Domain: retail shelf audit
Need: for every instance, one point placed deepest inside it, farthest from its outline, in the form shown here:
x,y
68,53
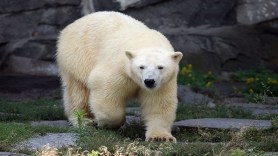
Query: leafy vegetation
x,y
190,77
195,112
258,81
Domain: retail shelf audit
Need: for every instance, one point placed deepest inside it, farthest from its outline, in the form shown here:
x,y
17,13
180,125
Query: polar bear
x,y
108,58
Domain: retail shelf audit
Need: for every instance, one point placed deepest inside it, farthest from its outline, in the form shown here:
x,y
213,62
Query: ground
x,y
31,108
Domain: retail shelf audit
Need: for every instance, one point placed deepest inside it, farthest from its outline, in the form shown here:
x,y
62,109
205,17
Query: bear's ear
x,y
129,55
177,56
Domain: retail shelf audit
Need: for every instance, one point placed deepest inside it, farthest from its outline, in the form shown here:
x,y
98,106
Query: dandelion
x,y
251,91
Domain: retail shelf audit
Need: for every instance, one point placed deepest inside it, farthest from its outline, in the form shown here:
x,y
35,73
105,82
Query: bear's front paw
x,y
166,138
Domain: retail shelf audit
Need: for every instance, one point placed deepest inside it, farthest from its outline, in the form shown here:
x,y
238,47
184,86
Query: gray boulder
x,y
256,11
187,96
29,66
30,28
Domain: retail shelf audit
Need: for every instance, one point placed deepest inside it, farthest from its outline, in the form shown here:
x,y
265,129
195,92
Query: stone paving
x,y
57,140
11,154
224,123
57,123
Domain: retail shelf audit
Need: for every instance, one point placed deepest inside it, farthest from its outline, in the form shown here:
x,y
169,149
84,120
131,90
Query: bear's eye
x,y
160,67
142,67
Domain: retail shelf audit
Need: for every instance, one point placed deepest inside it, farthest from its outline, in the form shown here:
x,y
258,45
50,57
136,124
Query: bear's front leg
x,y
159,113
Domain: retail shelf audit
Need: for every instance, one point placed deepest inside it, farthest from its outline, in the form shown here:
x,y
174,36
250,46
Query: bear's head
x,y
150,68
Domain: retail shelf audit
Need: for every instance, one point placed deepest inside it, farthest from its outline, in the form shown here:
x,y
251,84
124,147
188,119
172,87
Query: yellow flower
x,y
251,91
209,84
250,80
183,71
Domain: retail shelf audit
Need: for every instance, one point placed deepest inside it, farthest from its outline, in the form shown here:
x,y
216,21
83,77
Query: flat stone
x,y
55,140
11,154
57,123
224,123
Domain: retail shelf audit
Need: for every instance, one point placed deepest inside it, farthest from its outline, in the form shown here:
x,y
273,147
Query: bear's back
x,y
102,38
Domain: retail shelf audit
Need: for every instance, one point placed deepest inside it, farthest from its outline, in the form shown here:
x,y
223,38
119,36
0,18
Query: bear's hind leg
x,y
75,98
109,111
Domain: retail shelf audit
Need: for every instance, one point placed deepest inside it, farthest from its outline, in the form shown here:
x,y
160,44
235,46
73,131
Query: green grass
x,y
195,112
44,109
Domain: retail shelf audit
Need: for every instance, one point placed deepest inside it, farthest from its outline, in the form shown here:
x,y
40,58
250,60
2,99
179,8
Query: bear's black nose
x,y
149,83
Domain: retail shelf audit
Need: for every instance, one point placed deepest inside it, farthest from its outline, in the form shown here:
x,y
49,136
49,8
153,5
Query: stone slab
x,y
224,123
55,140
57,123
11,154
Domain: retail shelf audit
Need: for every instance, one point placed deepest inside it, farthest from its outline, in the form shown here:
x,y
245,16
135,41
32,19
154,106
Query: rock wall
x,y
216,35
29,28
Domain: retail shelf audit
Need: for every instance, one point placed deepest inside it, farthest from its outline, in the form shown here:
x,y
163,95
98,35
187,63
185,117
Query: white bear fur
x,y
98,57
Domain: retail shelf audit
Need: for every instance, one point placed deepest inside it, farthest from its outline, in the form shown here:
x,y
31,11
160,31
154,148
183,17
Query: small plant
x,y
259,97
188,76
80,122
81,126
259,81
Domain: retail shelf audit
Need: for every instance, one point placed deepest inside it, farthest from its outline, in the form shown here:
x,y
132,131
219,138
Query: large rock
x,y
208,32
256,11
187,96
29,66
226,48
186,13
31,27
